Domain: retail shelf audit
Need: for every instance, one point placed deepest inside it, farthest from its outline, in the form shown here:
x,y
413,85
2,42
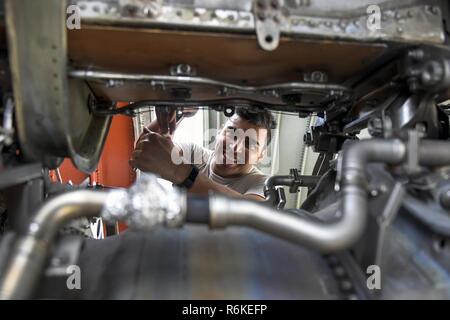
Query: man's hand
x,y
153,154
167,120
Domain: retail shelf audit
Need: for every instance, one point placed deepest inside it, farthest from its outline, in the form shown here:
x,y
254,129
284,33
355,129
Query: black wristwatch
x,y
189,181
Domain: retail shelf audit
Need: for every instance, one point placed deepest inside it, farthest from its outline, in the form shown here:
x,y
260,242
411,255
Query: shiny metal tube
x,y
325,237
30,251
434,153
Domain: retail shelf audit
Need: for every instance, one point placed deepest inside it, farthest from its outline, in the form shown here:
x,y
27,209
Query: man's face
x,y
239,146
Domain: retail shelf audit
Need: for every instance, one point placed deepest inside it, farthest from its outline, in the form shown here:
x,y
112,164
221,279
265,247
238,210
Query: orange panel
x,y
113,169
68,173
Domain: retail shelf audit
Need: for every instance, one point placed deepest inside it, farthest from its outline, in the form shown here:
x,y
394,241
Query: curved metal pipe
x,y
286,180
325,237
274,181
271,183
192,80
30,252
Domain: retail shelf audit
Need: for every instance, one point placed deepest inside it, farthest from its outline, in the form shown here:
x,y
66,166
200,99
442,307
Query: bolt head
x,y
346,285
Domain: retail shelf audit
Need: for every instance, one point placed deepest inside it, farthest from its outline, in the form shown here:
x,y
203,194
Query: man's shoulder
x,y
257,175
191,146
195,154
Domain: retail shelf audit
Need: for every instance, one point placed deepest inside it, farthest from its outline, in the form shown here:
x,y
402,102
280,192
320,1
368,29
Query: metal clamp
x,y
146,205
268,18
412,153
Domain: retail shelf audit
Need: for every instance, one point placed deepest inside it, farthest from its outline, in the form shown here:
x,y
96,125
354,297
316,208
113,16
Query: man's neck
x,y
216,172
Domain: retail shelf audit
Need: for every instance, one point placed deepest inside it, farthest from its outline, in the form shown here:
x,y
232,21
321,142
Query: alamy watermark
x,y
373,282
373,22
73,281
73,21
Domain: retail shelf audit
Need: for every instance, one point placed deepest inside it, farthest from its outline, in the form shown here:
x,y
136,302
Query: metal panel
x,y
195,263
403,21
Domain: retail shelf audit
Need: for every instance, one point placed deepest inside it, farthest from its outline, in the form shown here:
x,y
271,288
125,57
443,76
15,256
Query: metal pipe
x,y
286,180
325,237
269,187
274,181
434,153
30,252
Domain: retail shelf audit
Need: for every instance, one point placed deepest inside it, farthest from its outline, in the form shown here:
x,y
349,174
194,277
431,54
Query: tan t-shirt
x,y
251,183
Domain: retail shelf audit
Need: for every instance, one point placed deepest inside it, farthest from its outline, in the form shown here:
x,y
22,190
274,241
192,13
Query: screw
x,y
285,12
421,128
342,24
433,10
432,73
339,271
346,285
274,4
150,11
261,15
130,10
261,4
375,127
311,24
416,54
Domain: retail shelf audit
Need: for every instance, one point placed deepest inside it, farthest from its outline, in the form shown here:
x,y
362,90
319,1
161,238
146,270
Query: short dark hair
x,y
260,118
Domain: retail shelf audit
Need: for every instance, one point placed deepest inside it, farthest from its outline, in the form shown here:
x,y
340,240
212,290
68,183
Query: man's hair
x,y
260,118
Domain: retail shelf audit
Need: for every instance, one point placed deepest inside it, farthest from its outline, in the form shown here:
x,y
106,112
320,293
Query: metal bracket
x,y
412,155
268,18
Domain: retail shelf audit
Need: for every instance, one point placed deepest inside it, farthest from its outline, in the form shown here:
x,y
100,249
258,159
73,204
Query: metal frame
x,y
320,94
53,119
401,21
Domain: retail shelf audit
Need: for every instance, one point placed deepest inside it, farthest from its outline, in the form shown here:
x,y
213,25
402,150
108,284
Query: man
x,y
230,168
